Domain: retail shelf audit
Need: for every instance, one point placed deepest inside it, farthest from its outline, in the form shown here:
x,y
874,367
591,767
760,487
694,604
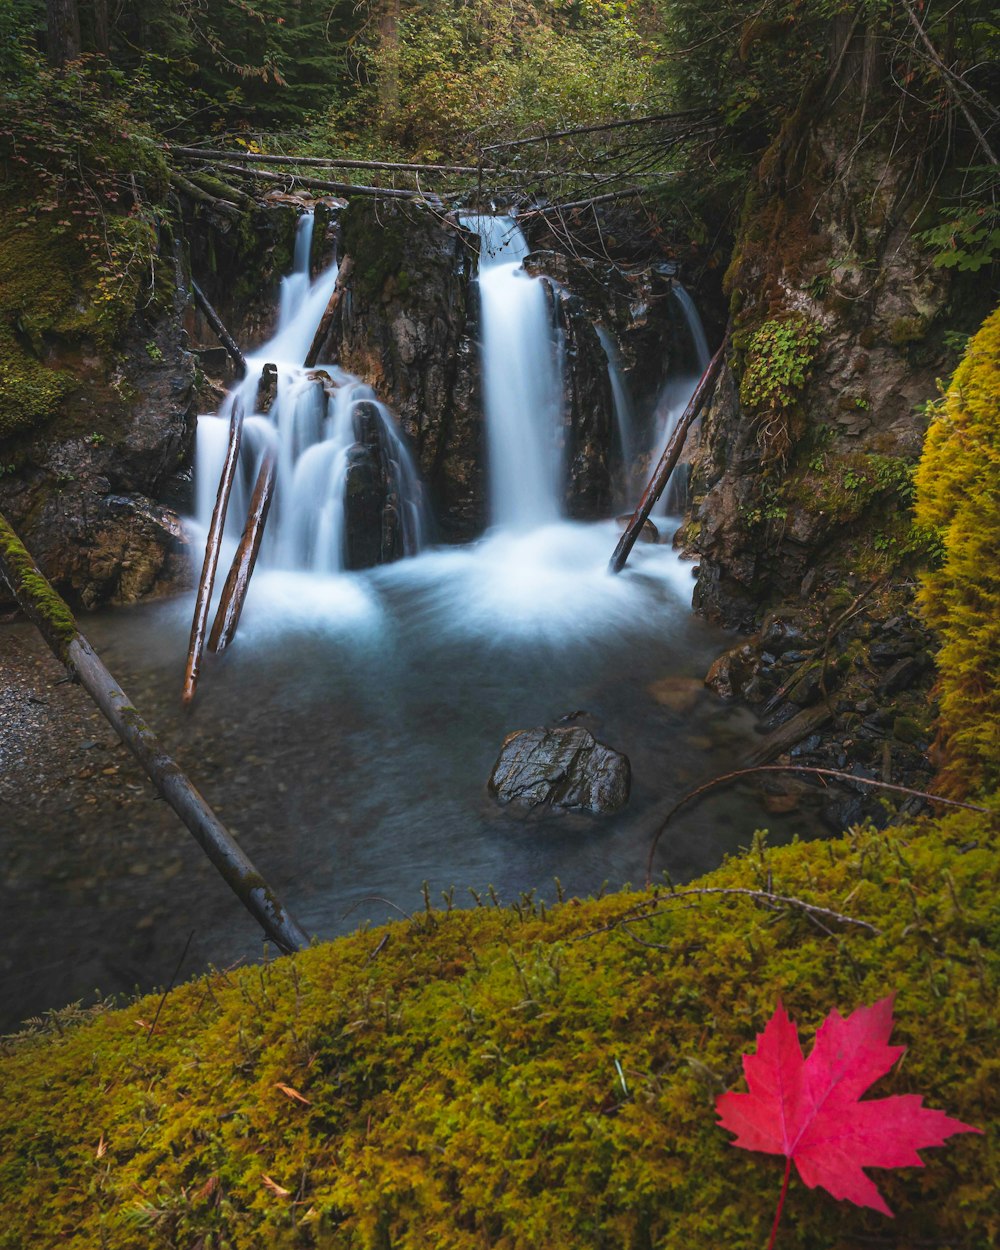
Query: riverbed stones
x,y
562,767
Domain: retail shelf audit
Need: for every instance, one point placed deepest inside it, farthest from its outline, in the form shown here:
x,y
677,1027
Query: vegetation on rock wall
x,y
958,486
78,238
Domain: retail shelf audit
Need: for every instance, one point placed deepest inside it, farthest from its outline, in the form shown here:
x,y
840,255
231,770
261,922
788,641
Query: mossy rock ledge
x,y
522,1077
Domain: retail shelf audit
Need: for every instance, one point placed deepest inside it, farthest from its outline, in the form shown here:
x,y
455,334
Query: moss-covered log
x,y
59,629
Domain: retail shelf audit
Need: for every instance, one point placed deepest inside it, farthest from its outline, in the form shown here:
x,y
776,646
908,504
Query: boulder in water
x,y
563,767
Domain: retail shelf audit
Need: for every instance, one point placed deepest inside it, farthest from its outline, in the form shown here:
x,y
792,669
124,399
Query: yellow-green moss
x,y
34,593
958,496
52,292
30,393
507,1078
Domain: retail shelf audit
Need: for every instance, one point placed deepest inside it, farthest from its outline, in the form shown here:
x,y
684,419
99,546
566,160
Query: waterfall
x,y
521,381
695,329
625,422
322,423
674,397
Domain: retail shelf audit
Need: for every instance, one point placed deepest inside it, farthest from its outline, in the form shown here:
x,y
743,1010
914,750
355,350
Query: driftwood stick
x,y
668,461
42,605
234,592
211,561
800,768
322,184
215,321
343,274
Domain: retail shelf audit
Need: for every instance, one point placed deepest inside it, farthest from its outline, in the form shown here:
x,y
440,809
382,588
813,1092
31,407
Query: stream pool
x,y
347,737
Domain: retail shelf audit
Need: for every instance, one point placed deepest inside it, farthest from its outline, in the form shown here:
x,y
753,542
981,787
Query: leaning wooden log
x,y
43,606
322,184
234,592
206,583
215,321
326,321
668,462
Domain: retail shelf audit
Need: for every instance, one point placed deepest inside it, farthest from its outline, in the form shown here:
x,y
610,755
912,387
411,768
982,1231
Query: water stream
x,y
348,734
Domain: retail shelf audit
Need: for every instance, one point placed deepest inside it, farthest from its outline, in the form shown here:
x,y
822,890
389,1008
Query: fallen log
x,y
668,461
234,592
782,739
48,611
215,186
331,311
328,162
215,321
203,599
194,192
322,184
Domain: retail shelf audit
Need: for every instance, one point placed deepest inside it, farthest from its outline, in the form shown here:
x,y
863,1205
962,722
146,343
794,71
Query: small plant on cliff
x,y
778,363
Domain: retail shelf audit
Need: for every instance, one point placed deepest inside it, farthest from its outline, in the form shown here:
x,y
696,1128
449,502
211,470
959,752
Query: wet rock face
x,y
560,767
587,418
800,490
408,326
373,533
82,498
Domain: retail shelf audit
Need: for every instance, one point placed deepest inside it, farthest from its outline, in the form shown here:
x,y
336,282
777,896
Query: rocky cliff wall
x,y
837,340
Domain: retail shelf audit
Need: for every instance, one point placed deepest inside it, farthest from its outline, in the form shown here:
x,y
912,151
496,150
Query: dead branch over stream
x,y
47,610
668,462
810,770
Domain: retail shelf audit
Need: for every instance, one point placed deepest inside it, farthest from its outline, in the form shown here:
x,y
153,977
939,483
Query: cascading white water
x,y
312,426
521,381
675,395
624,410
692,320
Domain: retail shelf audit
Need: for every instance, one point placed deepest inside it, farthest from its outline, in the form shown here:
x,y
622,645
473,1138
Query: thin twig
x,y
799,768
170,984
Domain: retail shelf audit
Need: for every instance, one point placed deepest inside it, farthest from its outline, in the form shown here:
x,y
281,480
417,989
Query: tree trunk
x,y
102,29
388,78
62,23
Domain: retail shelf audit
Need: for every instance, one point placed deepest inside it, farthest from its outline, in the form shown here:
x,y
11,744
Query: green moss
x,y
30,393
34,593
54,293
462,1073
958,500
906,330
376,240
907,729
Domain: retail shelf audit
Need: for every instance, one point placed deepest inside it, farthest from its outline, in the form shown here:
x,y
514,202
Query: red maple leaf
x,y
809,1110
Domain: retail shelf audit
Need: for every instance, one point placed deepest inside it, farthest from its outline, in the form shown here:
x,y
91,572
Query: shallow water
x,y
347,737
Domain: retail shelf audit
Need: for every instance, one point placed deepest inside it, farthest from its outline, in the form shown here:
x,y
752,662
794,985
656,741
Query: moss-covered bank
x,y
959,497
521,1079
